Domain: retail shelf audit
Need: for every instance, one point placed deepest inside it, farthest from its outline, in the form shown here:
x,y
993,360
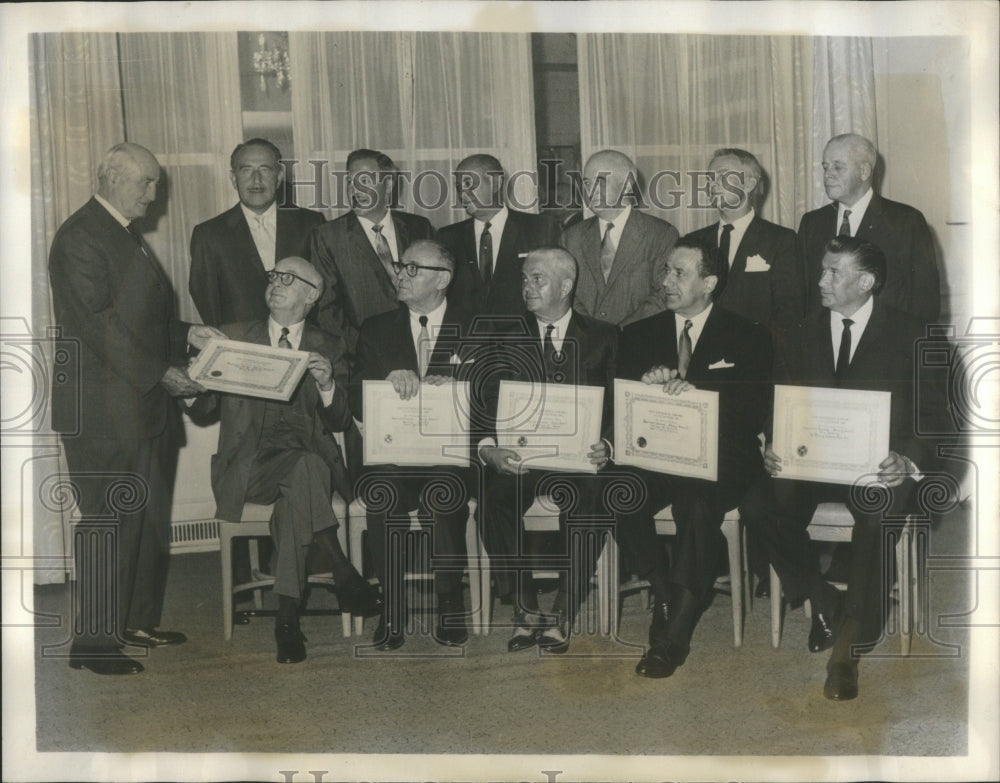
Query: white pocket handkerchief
x,y
757,264
722,364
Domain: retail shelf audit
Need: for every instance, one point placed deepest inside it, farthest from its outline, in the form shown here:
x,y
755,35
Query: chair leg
x,y
226,556
345,617
736,579
485,593
903,562
475,578
776,606
357,561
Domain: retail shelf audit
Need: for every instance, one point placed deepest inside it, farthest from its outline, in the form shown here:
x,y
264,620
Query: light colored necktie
x,y
424,347
845,225
684,350
283,339
486,255
382,249
608,250
266,247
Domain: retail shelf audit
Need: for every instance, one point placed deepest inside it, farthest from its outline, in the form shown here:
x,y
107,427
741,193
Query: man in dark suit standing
x,y
282,452
355,252
622,252
110,295
417,343
911,279
489,246
855,342
695,344
232,253
555,345
761,279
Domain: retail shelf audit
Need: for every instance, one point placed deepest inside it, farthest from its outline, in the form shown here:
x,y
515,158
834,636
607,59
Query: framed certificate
x,y
250,369
668,433
431,428
836,436
550,425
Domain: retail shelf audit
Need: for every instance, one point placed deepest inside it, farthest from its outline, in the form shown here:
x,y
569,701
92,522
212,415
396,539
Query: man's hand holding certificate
x,y
253,370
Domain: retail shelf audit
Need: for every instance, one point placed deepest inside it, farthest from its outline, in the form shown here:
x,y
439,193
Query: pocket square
x,y
722,364
757,264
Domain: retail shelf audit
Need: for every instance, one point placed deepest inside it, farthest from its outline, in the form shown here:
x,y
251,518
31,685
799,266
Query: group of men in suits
x,y
373,296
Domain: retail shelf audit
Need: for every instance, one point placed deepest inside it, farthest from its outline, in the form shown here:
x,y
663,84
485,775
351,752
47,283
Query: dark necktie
x,y
283,339
549,353
844,354
845,225
727,230
608,250
486,255
382,249
684,350
137,237
423,347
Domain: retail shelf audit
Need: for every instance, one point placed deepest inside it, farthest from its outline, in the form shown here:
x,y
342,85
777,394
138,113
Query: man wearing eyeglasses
x,y
356,251
282,452
420,342
232,253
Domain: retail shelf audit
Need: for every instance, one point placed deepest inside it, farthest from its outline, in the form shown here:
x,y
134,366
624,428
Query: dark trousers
x,y
779,512
439,495
698,508
122,541
297,482
515,551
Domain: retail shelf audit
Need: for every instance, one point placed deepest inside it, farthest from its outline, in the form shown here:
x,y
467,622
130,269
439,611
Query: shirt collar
x,y
497,222
859,320
294,332
697,324
619,223
124,221
269,215
434,318
561,326
858,209
741,223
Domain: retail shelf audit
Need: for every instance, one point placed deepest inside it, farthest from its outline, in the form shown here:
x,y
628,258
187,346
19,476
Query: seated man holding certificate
x,y
856,343
562,357
695,345
413,346
282,452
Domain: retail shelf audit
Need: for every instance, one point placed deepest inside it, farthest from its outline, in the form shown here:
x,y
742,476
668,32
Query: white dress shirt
x,y
739,229
388,231
497,223
295,340
619,225
264,230
434,320
697,324
859,322
559,332
858,210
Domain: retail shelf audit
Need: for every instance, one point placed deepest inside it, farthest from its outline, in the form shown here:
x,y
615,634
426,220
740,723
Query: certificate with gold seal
x,y
430,428
550,425
250,369
836,436
667,433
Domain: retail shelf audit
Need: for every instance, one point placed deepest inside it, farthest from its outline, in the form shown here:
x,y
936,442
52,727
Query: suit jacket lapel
x,y
592,253
875,326
871,221
626,248
749,240
402,235
508,241
245,248
361,247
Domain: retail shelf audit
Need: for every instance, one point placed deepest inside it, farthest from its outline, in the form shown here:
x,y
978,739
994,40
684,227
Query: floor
x,y
212,695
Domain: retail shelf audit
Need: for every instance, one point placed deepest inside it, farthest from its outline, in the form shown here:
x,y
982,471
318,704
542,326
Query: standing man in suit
x,y
282,452
417,343
110,295
911,278
761,279
855,342
355,252
232,253
556,344
622,253
695,344
489,246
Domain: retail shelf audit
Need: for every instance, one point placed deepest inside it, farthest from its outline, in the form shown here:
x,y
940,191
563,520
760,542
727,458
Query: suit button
x,y
604,312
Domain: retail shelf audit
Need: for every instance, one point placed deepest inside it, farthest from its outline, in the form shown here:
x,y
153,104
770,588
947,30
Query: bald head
x,y
609,179
294,286
547,280
848,167
127,179
480,181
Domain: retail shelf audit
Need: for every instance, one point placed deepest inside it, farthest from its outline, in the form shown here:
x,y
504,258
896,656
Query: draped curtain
x,y
425,99
668,101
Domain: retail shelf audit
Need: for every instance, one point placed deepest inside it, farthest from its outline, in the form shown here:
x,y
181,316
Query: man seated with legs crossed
x,y
856,342
694,344
418,343
555,345
283,453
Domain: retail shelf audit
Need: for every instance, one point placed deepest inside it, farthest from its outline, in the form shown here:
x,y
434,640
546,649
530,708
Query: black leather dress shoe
x,y
841,681
360,597
554,639
291,643
152,637
657,663
525,635
385,639
451,630
763,589
109,662
821,632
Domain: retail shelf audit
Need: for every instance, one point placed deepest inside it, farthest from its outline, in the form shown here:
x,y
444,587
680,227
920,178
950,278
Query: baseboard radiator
x,y
196,535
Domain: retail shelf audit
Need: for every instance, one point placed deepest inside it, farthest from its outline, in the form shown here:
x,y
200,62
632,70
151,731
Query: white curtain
x,y
425,99
76,115
181,99
668,101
